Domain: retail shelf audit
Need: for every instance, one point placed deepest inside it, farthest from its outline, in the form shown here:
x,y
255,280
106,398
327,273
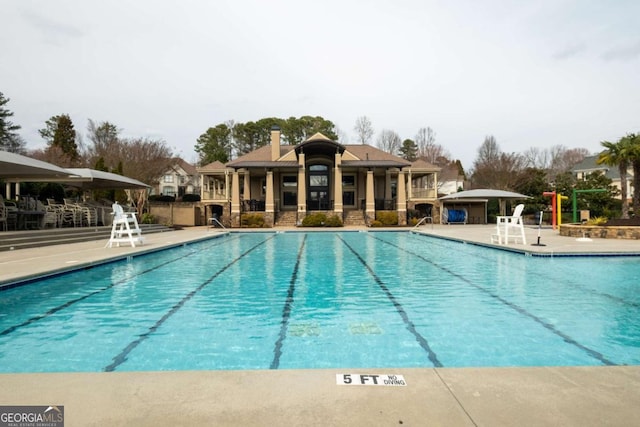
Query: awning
x,y
485,193
94,179
18,168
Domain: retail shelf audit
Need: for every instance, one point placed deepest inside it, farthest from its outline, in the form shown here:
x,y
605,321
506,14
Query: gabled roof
x,y
589,165
216,166
422,165
319,144
187,167
260,157
359,155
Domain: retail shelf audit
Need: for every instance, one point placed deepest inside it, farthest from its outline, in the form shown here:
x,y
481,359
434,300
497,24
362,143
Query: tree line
x,y
531,172
230,139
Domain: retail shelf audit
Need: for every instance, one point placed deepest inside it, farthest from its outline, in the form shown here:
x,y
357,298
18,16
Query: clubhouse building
x,y
285,183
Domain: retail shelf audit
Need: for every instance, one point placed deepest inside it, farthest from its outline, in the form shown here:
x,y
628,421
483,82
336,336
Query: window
x,y
348,180
168,178
318,180
318,196
349,190
168,191
289,190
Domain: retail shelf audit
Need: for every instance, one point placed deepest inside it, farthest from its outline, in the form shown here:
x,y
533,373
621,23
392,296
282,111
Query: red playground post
x,y
552,194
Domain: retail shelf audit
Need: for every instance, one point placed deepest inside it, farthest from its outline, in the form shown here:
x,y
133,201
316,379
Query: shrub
x,y
161,198
317,219
252,221
599,220
333,221
413,221
376,223
147,218
191,198
387,217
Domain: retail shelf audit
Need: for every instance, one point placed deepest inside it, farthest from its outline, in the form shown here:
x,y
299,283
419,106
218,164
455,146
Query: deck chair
x,y
125,228
3,215
510,228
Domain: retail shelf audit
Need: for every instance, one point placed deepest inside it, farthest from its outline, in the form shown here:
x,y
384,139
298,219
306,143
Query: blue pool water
x,y
325,300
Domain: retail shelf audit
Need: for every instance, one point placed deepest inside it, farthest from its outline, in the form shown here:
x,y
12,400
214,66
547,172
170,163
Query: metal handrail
x,y
217,222
424,220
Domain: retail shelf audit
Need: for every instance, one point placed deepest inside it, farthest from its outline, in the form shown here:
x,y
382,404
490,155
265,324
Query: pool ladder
x,y
424,220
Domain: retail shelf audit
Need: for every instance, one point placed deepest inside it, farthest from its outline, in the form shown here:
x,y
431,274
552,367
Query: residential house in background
x,y
451,181
180,179
589,165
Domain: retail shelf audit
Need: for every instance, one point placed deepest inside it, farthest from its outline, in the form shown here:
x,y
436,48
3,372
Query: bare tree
x,y
146,160
343,138
495,169
535,157
231,124
105,144
563,159
389,141
428,149
364,129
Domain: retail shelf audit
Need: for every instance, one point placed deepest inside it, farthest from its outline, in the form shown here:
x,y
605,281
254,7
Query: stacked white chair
x,y
125,228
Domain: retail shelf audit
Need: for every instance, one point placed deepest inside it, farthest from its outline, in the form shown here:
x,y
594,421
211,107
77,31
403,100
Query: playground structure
x,y
556,204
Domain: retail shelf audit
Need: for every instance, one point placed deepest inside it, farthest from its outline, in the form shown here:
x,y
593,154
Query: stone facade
x,y
602,232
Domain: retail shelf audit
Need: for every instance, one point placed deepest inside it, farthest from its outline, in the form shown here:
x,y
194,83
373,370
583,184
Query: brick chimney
x,y
275,142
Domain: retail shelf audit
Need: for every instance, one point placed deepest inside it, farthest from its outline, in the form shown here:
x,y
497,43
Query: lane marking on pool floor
x,y
122,357
410,326
286,311
90,294
569,340
579,287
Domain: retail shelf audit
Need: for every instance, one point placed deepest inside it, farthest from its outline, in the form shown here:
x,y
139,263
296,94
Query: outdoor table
x,y
28,219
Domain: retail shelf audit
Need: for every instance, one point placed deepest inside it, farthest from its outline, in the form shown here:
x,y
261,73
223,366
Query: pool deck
x,y
548,396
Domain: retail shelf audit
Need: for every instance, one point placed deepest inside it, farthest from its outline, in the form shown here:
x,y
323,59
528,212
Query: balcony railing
x,y
423,193
214,195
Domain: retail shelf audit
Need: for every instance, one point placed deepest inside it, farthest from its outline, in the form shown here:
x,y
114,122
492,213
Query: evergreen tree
x,y
409,150
214,144
9,139
59,133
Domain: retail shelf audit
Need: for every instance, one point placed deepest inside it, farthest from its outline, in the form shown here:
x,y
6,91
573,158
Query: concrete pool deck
x,y
562,396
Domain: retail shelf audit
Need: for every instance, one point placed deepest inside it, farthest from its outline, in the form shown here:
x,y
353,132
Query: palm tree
x,y
632,141
617,154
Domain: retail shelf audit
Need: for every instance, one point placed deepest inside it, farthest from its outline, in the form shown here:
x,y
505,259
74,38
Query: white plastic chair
x,y
507,225
125,228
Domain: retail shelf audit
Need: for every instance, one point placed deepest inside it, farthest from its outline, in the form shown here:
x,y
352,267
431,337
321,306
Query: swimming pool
x,y
325,300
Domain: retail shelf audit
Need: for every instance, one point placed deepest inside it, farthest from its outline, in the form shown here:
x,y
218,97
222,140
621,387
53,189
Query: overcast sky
x,y
530,73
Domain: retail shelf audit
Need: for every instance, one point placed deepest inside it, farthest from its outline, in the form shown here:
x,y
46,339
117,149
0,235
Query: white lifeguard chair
x,y
510,227
125,228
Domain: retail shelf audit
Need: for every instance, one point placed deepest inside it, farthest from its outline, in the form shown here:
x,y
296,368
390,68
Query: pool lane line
x,y
286,311
543,273
410,326
122,356
106,288
566,338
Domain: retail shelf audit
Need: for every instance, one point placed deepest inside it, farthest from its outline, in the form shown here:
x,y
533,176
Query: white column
x,y
370,205
402,200
337,185
247,186
235,194
302,186
268,206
